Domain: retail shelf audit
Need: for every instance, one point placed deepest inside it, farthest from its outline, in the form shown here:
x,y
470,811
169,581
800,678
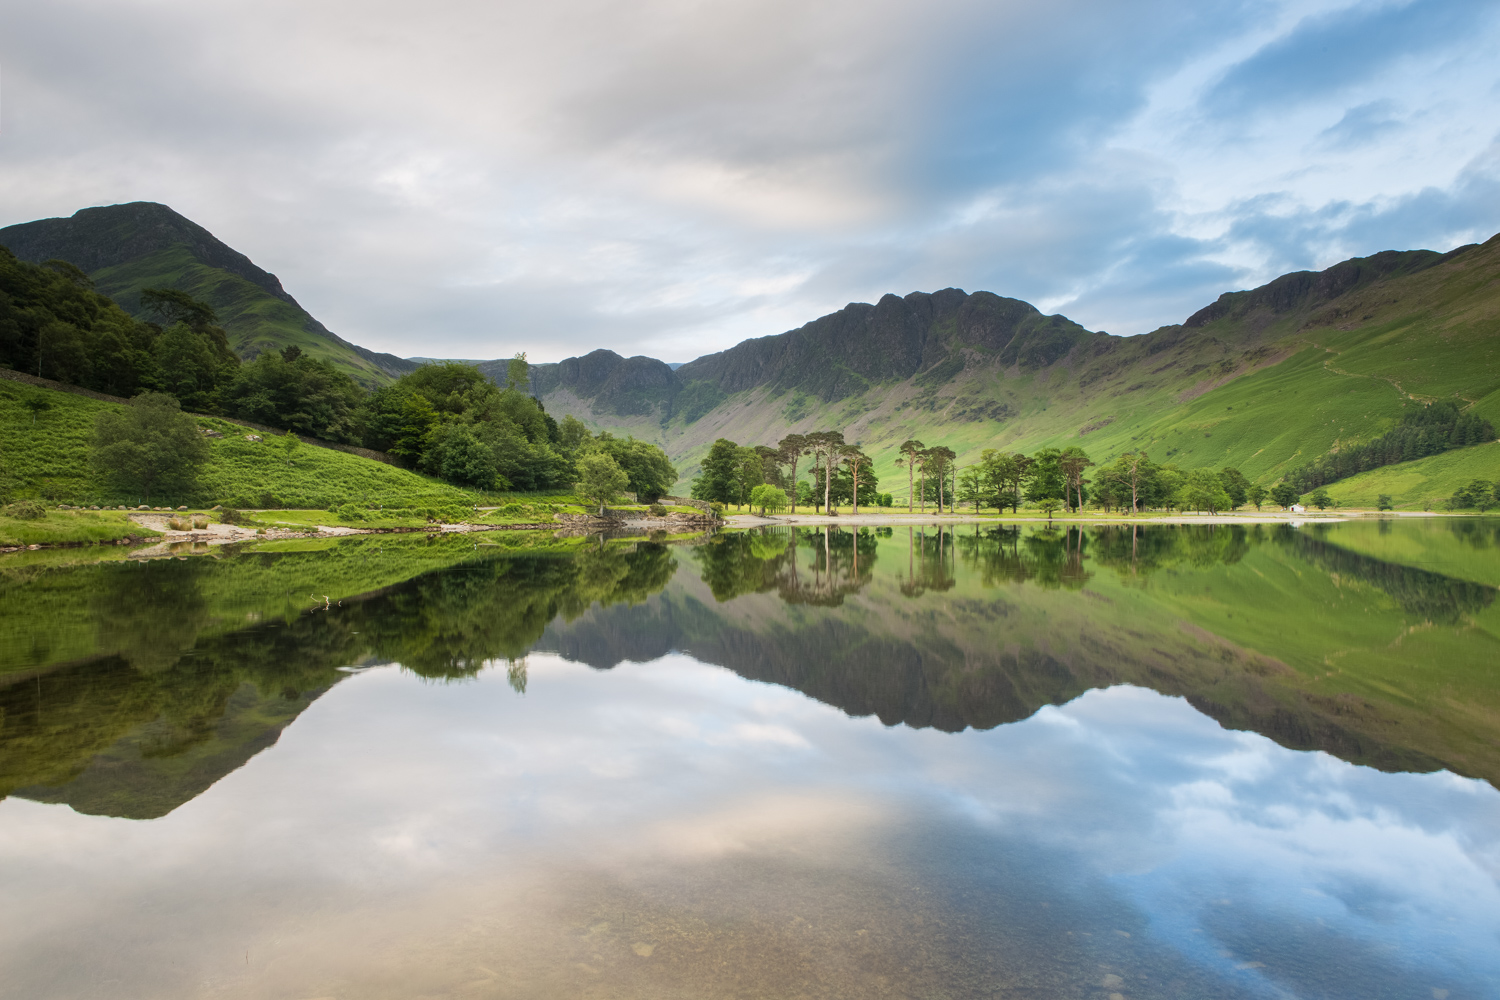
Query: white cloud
x,y
671,176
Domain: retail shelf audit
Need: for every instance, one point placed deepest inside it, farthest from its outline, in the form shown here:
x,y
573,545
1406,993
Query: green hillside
x,y
1263,380
1421,485
44,455
125,248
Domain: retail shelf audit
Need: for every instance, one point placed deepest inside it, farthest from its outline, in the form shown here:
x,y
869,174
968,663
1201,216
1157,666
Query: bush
x,y
656,510
26,510
350,512
512,510
177,524
199,522
230,515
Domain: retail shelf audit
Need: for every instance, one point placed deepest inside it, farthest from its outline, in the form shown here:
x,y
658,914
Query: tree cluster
x,y
450,421
54,325
840,473
447,420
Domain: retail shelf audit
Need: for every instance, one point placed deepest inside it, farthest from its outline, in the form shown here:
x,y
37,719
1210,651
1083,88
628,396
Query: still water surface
x,y
932,762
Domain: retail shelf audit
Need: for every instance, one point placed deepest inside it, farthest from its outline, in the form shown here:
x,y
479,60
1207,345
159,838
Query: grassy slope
x,y
48,458
255,320
1262,392
1421,485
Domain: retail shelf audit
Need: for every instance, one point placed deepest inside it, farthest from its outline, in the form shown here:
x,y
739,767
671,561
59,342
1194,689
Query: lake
x,y
930,761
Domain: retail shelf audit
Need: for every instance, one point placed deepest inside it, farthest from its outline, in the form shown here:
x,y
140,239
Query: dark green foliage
x,y
1383,502
195,365
719,480
649,473
1478,493
455,453
152,445
600,479
298,392
54,326
1046,485
1284,494
1426,430
1236,487
439,417
1320,499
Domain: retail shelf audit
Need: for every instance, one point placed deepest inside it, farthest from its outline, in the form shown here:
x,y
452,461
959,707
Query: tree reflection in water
x,y
170,690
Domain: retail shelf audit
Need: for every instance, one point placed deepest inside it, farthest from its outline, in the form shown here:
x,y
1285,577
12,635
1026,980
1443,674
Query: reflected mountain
x,y
178,702
130,688
980,626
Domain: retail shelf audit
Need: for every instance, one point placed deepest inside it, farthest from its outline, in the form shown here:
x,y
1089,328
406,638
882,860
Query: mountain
x,y
1263,379
125,248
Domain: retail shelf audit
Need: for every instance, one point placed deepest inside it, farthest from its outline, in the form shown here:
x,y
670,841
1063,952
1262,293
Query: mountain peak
x,y
110,235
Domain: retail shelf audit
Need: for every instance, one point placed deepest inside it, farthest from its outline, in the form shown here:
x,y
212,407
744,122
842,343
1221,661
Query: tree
x,y
518,374
1383,502
765,496
717,479
194,365
748,474
150,445
792,448
911,450
172,305
971,487
600,479
1072,462
856,462
1204,491
287,444
825,445
295,392
651,472
1477,493
37,404
939,459
456,453
1320,499
572,433
1284,494
1235,485
1257,494
1047,486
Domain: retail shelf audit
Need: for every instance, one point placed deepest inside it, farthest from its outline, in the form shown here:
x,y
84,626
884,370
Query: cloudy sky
x,y
668,177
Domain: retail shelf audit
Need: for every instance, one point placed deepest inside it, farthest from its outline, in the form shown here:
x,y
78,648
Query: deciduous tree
x,y
150,446
600,479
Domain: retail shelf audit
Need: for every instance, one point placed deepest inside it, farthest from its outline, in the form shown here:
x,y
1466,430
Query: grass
x,y
46,458
71,527
1425,484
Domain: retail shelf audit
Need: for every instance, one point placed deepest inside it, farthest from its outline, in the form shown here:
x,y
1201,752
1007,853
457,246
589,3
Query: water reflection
x,y
973,762
131,688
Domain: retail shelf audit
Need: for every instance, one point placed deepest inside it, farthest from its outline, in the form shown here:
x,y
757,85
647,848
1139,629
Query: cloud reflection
x,y
1149,836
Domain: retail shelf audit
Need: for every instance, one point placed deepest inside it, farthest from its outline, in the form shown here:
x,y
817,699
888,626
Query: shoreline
x,y
889,520
224,534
